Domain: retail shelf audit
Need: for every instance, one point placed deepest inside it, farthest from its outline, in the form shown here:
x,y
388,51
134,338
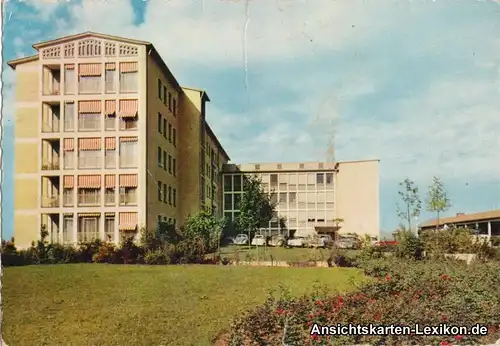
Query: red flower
x,y
319,302
445,343
444,277
310,316
372,301
315,337
387,278
377,317
458,337
309,323
318,313
444,318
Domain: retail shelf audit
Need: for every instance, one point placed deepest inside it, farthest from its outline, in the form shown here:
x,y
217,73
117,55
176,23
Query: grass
x,y
93,304
276,253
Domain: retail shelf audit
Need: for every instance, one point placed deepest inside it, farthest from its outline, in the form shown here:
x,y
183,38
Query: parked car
x,y
241,239
328,239
259,240
317,242
277,240
347,242
298,242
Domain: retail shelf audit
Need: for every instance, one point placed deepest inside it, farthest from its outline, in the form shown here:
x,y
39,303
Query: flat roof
x,y
464,218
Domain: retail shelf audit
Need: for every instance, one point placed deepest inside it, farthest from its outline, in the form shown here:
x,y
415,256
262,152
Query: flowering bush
x,y
417,292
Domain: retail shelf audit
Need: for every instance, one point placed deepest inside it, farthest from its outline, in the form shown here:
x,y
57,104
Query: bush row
x,y
404,293
166,245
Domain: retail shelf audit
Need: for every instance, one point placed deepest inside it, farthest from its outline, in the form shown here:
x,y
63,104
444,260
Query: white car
x,y
241,239
298,242
259,240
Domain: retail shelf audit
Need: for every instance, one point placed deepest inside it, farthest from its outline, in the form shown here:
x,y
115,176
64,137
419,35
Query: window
x,y
228,183
89,122
88,228
159,88
69,116
174,137
165,128
159,155
329,179
67,229
174,107
274,180
109,228
174,166
164,160
174,197
89,159
128,80
68,199
128,195
228,201
237,200
170,195
90,79
165,193
165,95
159,122
282,198
69,159
169,101
170,164
237,182
170,133
320,178
160,198
89,197
128,152
109,196
110,122
69,79
109,81
110,158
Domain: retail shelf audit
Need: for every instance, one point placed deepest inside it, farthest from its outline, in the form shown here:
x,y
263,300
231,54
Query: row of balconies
x,y
88,198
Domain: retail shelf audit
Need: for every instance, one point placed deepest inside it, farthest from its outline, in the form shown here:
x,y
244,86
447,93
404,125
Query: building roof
x,y
151,50
203,93
463,218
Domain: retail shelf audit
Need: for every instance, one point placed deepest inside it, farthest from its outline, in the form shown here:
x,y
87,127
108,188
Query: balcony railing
x,y
53,165
126,199
50,201
50,128
89,200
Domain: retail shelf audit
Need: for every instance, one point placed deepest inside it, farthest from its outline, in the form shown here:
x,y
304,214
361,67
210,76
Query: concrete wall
x,y
155,173
27,154
188,165
357,197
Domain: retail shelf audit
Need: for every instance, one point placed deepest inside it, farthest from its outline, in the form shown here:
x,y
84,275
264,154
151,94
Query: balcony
x,y
50,201
51,80
89,197
51,117
50,155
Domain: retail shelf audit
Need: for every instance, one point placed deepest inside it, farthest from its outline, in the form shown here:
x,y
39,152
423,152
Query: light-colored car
x,y
277,240
327,239
259,240
346,242
317,242
241,239
298,242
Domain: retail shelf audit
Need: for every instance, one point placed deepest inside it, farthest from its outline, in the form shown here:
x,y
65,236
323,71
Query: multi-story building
x,y
107,142
312,196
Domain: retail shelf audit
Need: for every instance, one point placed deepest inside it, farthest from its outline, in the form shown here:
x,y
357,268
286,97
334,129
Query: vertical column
x,y
101,227
117,230
75,229
489,230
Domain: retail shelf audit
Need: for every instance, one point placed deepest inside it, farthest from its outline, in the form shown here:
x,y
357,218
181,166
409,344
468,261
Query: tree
x,y
412,205
437,199
206,227
256,206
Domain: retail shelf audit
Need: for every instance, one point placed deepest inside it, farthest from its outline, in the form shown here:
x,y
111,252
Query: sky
x,y
415,84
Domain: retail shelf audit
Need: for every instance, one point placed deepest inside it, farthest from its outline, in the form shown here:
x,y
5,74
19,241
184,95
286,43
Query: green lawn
x,y
92,304
277,253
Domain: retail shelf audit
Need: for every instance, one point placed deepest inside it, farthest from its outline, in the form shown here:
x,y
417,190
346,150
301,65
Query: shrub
x,y
341,258
106,253
409,246
428,293
155,257
87,250
129,252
